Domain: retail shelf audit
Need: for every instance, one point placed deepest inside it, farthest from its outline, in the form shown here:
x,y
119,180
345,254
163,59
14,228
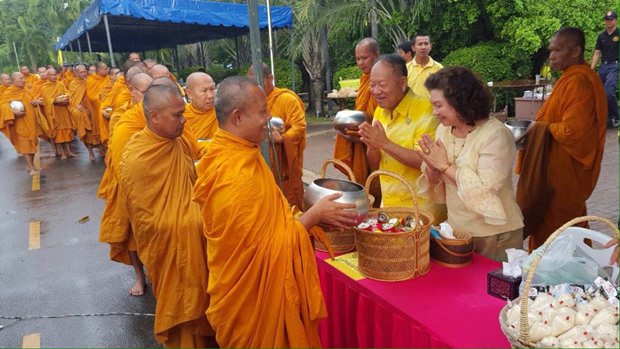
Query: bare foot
x,y
138,288
91,157
33,172
63,157
72,155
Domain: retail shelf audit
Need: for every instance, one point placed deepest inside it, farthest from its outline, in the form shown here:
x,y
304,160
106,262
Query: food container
x,y
453,253
107,112
347,123
518,129
17,106
277,123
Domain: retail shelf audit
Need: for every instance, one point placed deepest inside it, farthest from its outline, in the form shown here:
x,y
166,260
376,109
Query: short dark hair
x,y
464,91
574,35
396,62
405,47
420,35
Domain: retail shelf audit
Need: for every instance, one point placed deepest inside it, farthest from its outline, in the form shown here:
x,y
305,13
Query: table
x,y
508,84
444,308
341,101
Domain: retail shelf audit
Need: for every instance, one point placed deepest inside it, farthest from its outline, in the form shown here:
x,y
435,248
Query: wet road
x,y
69,271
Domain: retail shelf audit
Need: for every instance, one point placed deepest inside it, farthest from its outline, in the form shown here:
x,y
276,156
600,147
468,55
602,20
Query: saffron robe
x,y
23,132
60,114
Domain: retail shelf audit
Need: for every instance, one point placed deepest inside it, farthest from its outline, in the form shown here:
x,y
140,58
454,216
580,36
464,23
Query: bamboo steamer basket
x,y
523,339
342,240
395,256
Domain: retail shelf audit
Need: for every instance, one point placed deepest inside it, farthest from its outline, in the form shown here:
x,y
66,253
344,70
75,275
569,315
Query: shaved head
x,y
165,81
201,90
41,70
133,71
164,109
134,56
52,74
370,43
17,79
574,37
5,79
149,62
81,71
197,79
157,97
139,83
158,71
232,93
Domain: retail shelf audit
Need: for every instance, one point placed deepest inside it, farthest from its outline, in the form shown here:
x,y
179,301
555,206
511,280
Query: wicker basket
x,y
395,256
340,240
523,341
453,253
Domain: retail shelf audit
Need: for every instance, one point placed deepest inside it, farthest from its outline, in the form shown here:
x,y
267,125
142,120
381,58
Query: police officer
x,y
607,49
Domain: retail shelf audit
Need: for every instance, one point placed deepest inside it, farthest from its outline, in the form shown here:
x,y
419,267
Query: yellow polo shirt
x,y
405,125
417,75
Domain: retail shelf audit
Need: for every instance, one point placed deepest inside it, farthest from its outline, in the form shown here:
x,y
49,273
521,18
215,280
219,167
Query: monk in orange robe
x,y
56,103
29,78
354,153
200,114
167,224
115,226
289,143
263,283
575,116
160,70
95,84
84,113
123,95
5,82
23,130
46,125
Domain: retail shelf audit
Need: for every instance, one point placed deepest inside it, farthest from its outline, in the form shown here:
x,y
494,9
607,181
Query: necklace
x,y
455,153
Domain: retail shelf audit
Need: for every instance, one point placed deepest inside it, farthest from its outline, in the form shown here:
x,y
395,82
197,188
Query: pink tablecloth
x,y
444,308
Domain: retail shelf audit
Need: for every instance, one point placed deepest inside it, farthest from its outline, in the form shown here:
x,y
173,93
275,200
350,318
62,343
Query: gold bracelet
x,y
443,170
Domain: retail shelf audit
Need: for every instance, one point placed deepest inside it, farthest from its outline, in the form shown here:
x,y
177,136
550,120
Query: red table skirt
x,y
444,308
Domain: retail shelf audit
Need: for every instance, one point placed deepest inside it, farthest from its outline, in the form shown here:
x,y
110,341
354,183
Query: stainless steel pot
x,y
518,129
349,120
352,193
17,106
277,123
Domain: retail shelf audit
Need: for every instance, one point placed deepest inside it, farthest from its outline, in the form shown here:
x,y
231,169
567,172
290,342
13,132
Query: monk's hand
x,y
34,102
614,255
40,101
276,136
19,114
373,135
330,214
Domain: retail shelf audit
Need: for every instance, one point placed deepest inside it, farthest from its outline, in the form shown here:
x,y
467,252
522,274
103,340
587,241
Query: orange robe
x,y
286,105
115,225
122,102
83,113
46,127
60,114
263,279
168,229
110,98
30,80
95,85
23,132
5,124
576,116
354,153
67,78
202,124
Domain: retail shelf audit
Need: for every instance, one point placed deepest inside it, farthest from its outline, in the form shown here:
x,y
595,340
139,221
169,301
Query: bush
x,y
186,71
282,73
219,72
352,72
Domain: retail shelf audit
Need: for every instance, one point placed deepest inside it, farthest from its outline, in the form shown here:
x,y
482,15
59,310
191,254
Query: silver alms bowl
x,y
518,129
277,123
352,193
349,120
17,106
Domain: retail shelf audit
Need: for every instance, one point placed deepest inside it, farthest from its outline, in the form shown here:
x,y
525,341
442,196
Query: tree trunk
x,y
33,60
317,91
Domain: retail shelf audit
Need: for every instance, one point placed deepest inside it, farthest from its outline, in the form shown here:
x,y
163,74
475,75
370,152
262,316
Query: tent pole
x,y
80,49
176,57
257,62
16,57
107,34
202,55
273,70
90,50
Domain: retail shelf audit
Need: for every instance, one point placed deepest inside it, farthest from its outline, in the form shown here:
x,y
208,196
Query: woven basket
x,y
453,253
395,256
342,240
523,341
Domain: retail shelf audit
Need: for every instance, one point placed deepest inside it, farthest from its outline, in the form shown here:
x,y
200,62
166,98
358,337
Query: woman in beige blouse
x,y
469,165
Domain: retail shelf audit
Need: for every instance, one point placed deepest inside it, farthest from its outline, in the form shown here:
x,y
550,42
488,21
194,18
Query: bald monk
x,y
565,146
5,82
290,144
115,228
46,128
95,84
81,110
67,75
58,110
150,63
167,223
125,96
160,70
92,69
134,57
29,78
114,102
263,283
23,130
354,153
84,112
200,114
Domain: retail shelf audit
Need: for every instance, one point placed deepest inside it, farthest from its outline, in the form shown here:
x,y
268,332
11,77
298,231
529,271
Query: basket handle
x,y
455,254
398,177
341,164
524,336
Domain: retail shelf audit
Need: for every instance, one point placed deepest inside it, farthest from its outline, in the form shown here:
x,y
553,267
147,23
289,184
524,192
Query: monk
x,y
82,111
354,153
68,75
115,228
290,142
200,113
150,63
124,96
92,69
95,84
160,70
58,110
46,126
167,224
565,146
28,77
263,283
134,57
114,102
5,82
23,130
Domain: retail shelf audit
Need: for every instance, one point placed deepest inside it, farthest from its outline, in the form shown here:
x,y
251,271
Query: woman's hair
x,y
464,92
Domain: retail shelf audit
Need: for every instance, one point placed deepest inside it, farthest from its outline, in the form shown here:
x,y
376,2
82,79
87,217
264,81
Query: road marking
x,y
32,341
34,239
36,182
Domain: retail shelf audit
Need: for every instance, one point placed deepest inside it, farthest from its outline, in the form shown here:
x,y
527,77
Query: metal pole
x,y
176,57
107,34
80,49
16,58
90,50
273,70
257,62
202,55
374,31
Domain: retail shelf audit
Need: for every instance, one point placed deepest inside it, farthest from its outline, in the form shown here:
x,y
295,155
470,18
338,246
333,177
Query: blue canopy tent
x,y
140,25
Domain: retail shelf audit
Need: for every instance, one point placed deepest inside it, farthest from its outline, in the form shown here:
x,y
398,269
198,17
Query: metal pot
x,y
277,123
17,106
349,120
352,193
518,129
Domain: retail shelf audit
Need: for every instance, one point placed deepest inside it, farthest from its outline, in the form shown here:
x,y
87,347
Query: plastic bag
x,y
564,261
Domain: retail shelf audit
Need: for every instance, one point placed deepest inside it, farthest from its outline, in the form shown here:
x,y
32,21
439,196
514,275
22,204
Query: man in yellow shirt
x,y
399,123
421,66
